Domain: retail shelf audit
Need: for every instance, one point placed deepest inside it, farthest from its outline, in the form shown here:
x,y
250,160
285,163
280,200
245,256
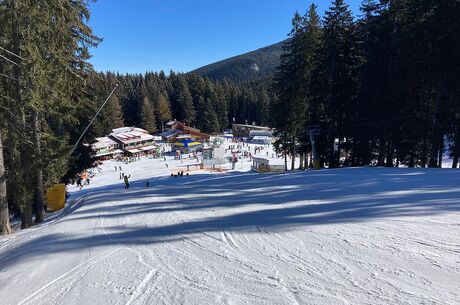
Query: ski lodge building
x,y
264,137
243,130
176,128
105,147
124,140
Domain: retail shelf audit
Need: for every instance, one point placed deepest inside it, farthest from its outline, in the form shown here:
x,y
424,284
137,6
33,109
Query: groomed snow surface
x,y
345,236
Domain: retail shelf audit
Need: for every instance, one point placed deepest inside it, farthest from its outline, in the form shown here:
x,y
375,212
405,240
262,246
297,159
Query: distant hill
x,y
256,65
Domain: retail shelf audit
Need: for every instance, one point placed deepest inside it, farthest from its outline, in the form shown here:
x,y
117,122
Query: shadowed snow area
x,y
345,236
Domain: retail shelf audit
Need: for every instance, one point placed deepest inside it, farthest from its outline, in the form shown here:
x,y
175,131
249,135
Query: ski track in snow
x,y
350,236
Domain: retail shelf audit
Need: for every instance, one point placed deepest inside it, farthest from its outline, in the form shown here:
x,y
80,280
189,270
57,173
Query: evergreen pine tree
x,y
164,110
336,70
147,117
210,120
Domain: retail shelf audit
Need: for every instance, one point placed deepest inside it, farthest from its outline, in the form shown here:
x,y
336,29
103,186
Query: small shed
x,y
261,140
267,165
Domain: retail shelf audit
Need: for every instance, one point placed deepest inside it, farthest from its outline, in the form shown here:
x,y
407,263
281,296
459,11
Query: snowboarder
x,y
127,181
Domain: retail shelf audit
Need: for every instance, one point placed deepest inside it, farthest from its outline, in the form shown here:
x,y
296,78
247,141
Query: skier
x,y
79,182
121,176
127,181
115,168
119,167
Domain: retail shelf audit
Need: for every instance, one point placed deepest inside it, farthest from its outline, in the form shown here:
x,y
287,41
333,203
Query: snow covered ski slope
x,y
346,236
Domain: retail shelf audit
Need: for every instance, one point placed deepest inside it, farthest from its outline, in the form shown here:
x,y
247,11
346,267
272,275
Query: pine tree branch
x,y
10,77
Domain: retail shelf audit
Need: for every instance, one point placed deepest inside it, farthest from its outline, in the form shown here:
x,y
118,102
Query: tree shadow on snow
x,y
247,202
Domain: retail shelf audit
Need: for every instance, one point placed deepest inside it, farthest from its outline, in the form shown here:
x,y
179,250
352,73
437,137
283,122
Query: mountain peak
x,y
251,66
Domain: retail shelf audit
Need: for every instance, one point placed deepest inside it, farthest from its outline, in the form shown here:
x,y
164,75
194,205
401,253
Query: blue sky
x,y
181,35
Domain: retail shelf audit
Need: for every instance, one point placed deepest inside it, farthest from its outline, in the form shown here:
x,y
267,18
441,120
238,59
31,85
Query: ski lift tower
x,y
313,131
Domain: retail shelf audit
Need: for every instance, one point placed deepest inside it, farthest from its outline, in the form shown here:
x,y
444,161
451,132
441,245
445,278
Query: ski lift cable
x,y
9,60
92,120
11,53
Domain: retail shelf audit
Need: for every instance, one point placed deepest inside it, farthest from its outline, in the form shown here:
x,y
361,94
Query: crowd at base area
x,y
179,174
85,177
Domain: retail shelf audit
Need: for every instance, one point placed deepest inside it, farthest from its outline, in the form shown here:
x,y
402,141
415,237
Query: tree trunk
x,y
337,156
455,158
455,147
423,158
26,216
301,161
390,155
285,160
27,174
332,157
39,201
293,155
412,160
440,152
435,136
5,227
24,202
381,158
434,155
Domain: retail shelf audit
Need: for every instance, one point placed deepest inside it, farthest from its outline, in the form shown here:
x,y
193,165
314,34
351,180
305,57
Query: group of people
x,y
179,174
83,179
123,176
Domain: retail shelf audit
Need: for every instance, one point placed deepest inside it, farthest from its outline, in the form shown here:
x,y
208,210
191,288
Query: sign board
x,y
55,197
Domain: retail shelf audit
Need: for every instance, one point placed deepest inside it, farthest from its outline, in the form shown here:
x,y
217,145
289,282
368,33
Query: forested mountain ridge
x,y
252,66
